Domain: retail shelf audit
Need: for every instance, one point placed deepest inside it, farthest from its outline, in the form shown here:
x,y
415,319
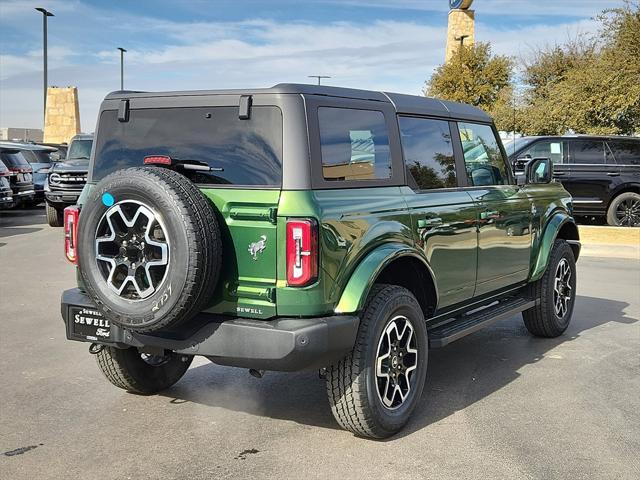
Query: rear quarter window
x,y
354,144
249,152
626,152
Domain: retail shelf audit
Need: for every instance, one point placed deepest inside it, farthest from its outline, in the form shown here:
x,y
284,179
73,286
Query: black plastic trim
x,y
283,344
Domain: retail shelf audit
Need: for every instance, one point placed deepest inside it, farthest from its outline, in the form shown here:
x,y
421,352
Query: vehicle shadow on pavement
x,y
20,222
458,375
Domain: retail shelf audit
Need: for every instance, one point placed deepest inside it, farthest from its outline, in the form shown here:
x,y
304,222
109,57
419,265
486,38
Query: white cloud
x,y
389,55
505,8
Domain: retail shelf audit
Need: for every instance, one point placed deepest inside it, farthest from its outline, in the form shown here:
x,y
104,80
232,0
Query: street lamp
x,y
319,77
122,50
45,14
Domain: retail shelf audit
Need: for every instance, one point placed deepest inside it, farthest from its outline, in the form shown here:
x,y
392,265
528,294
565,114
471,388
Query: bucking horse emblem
x,y
258,247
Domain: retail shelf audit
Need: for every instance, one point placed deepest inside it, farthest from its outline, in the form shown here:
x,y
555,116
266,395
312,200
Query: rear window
x,y
13,158
248,152
354,144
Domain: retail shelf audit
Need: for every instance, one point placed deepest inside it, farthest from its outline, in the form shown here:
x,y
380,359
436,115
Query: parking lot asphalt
x,y
497,404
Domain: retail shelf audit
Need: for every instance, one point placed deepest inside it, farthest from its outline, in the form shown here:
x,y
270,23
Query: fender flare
x,y
546,242
362,279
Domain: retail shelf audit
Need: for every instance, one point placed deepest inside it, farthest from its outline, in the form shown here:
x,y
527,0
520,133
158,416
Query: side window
x,y
626,152
587,151
546,149
428,152
354,144
483,158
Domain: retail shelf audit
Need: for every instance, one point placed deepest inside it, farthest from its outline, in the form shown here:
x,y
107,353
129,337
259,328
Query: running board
x,y
464,325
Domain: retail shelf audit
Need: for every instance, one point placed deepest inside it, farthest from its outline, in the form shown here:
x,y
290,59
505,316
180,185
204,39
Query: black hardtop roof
x,y
405,104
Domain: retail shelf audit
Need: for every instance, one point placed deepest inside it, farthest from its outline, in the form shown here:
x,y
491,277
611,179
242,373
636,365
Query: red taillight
x,y
71,216
157,160
20,169
302,252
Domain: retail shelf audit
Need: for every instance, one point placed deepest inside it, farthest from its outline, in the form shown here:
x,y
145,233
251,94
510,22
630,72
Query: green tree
x,y
589,86
474,76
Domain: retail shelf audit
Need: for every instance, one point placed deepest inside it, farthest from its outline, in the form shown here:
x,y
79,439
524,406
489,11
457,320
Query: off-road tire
x,y
351,386
631,197
55,217
195,251
542,320
126,369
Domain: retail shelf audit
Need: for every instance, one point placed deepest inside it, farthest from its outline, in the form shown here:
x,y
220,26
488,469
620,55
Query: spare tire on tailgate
x,y
149,248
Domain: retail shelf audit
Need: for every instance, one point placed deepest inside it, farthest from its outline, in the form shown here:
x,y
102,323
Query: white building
x,y
21,134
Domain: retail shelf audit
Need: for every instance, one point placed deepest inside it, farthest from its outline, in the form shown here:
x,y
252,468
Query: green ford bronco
x,y
307,227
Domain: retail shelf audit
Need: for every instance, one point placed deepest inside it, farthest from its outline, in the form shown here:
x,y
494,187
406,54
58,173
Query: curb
x,y
609,235
610,242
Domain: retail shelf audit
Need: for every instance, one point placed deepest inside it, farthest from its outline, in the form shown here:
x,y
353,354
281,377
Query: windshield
x,y
244,152
80,149
513,146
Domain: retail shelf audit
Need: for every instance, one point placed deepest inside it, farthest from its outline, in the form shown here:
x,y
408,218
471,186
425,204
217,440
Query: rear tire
x,y
127,369
624,210
55,218
358,386
555,292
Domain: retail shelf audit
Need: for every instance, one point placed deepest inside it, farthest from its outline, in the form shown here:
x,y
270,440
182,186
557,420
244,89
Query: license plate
x,y
89,324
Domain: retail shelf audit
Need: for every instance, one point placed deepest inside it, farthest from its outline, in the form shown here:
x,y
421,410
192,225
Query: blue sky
x,y
198,44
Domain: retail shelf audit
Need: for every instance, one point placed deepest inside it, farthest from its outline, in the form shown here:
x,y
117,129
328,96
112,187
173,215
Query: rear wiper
x,y
185,164
196,165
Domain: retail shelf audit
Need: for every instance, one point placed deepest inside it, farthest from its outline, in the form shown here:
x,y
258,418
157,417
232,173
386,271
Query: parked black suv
x,y
67,178
20,175
602,173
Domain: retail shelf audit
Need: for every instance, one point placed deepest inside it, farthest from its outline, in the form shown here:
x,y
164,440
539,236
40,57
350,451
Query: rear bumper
x,y
283,344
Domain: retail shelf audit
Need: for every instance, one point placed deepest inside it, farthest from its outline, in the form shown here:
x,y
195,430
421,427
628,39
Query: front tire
x,y
55,218
555,292
375,388
624,210
139,373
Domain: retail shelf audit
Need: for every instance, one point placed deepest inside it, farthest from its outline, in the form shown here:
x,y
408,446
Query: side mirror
x,y
539,170
55,156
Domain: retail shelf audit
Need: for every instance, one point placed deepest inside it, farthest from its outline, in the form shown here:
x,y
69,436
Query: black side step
x,y
464,325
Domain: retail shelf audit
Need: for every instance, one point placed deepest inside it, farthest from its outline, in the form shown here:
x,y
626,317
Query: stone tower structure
x,y
461,27
62,119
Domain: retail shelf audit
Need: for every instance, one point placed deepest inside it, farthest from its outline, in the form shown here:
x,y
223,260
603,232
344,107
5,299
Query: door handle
x,y
613,174
559,174
429,222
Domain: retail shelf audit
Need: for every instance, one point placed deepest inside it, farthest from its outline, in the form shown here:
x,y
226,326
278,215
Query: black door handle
x,y
558,174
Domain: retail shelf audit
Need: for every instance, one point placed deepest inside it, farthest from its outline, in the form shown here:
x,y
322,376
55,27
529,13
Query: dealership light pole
x,y
122,50
45,14
319,77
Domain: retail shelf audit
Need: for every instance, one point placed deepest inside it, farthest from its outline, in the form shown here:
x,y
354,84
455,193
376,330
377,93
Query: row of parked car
x,y
602,173
34,173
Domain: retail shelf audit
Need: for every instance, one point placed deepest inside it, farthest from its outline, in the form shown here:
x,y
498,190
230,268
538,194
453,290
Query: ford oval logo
x,y
54,178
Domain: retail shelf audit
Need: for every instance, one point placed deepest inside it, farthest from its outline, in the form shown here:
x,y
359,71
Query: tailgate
x,y
247,284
